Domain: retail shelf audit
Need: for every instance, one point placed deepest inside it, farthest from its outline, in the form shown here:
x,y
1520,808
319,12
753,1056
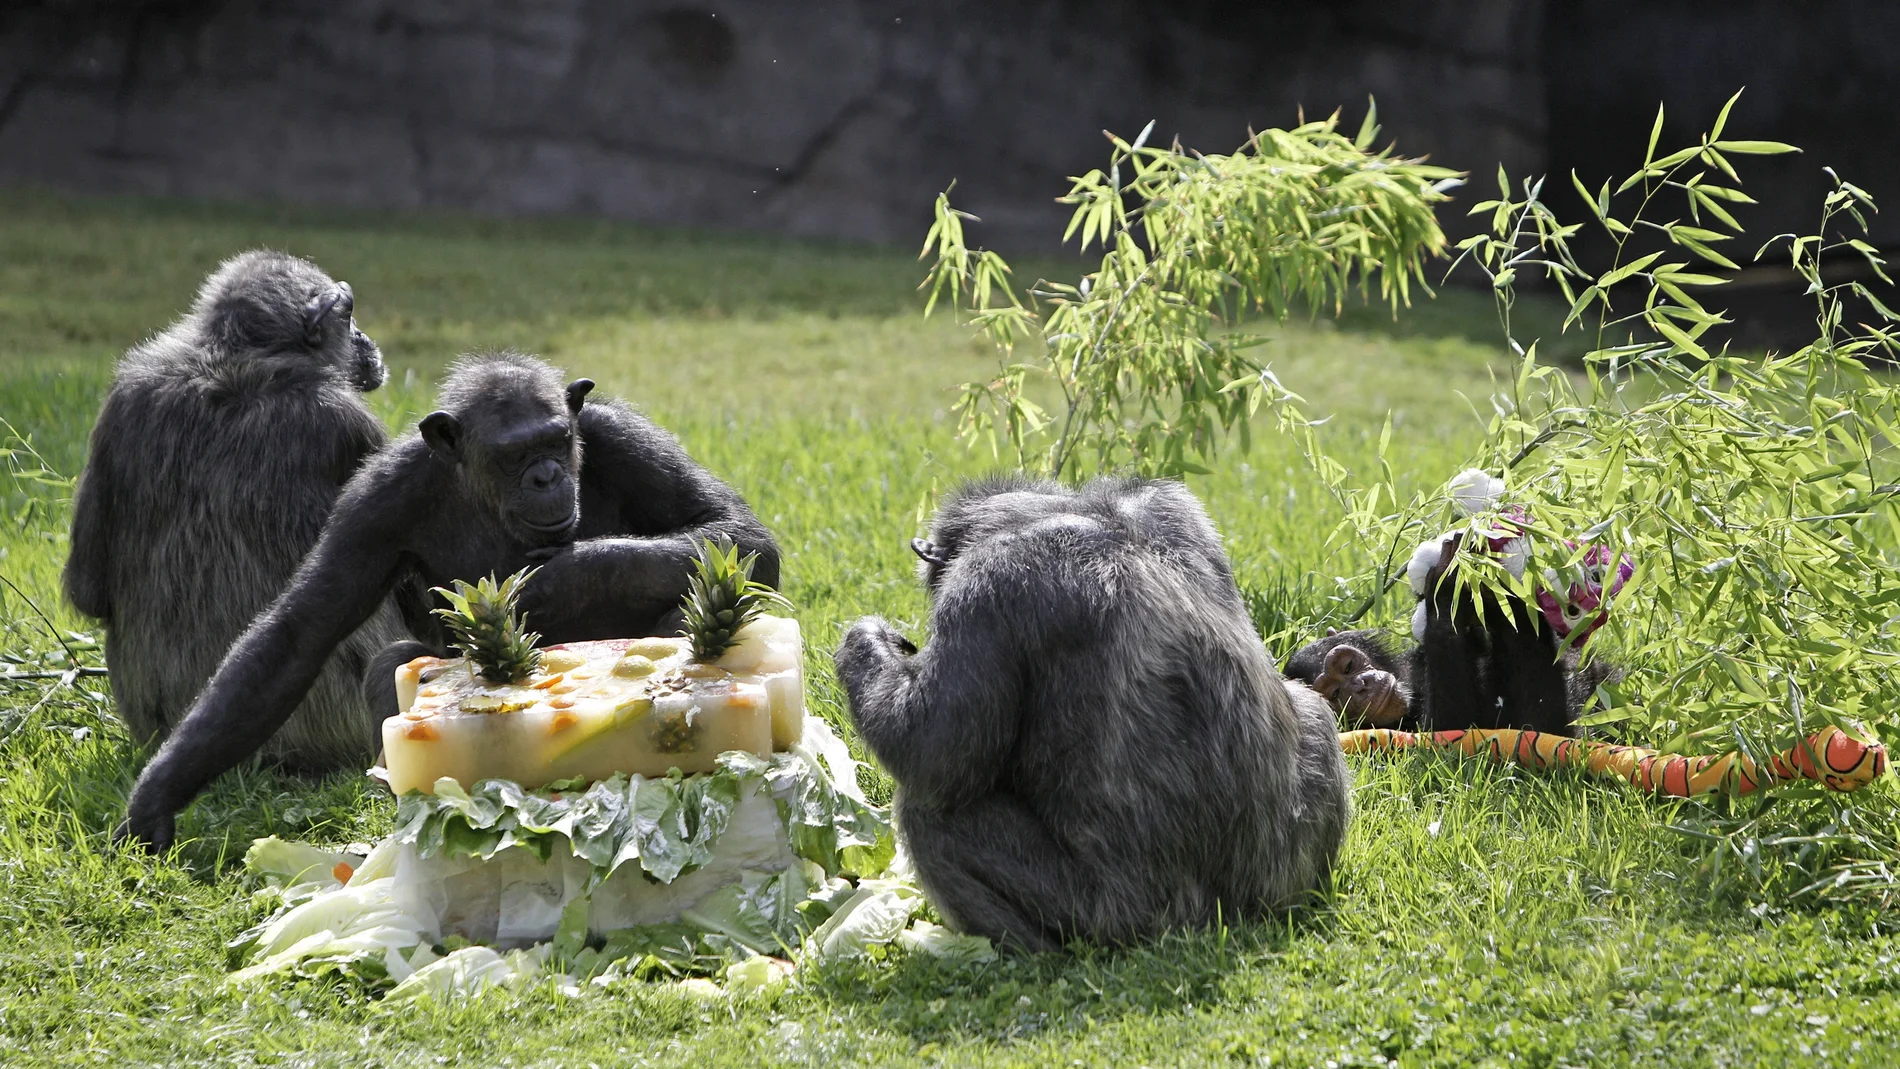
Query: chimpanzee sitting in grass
x,y
1498,663
492,483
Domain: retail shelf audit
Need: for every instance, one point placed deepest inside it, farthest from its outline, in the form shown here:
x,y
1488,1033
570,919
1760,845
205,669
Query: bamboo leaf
x,y
1697,247
1678,337
1589,201
1628,269
1655,134
1721,118
1369,128
1754,148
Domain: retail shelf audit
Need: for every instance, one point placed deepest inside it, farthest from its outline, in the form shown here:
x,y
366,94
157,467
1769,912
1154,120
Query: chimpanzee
x,y
492,483
216,458
1094,743
1496,665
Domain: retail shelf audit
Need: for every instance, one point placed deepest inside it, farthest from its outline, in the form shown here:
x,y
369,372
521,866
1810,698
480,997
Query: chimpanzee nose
x,y
544,475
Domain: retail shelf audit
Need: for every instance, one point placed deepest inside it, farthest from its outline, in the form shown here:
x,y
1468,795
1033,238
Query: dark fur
x,y
1472,677
1094,743
216,458
452,502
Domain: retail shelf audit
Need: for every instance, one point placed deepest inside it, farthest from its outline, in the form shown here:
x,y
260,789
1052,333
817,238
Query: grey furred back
x,y
217,468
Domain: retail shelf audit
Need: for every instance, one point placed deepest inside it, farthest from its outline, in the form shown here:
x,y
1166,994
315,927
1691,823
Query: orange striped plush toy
x,y
1831,756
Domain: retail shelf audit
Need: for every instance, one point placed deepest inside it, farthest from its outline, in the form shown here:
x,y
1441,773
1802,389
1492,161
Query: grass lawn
x,y
1481,916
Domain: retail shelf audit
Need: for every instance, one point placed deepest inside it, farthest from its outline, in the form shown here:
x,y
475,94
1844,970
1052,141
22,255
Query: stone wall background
x,y
844,118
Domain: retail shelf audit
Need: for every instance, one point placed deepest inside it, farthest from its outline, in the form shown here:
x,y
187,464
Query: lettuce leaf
x,y
760,912
284,863
666,826
873,917
359,930
470,969
760,976
669,825
653,951
923,937
829,819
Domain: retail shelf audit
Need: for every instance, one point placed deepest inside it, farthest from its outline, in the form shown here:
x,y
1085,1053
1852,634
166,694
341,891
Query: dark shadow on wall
x,y
1819,74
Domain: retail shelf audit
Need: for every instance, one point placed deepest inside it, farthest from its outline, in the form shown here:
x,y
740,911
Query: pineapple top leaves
x,y
721,596
484,626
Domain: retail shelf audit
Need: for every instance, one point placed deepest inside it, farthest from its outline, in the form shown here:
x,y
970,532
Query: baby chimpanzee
x,y
1495,664
1375,681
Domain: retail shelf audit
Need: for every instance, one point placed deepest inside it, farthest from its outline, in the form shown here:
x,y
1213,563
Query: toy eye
x,y
1573,612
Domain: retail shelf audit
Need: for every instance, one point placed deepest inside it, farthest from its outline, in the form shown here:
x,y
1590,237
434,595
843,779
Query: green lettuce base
x,y
816,883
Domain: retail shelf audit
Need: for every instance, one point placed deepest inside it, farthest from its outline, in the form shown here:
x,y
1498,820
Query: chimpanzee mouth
x,y
370,376
554,532
1375,700
371,372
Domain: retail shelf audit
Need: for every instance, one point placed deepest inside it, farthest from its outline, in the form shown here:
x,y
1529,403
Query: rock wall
x,y
844,118
815,117
1819,74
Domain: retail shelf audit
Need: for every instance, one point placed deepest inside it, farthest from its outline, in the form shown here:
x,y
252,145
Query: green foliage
x,y
1149,373
722,597
484,625
1755,493
1800,846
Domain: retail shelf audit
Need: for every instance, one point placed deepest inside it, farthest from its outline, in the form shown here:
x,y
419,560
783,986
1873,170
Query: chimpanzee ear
x,y
927,551
443,432
317,309
577,392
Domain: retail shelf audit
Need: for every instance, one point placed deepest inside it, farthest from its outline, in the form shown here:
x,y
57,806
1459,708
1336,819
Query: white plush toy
x,y
1473,490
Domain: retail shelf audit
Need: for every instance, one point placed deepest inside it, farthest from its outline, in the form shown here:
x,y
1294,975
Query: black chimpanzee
x,y
492,483
216,459
1094,743
1494,666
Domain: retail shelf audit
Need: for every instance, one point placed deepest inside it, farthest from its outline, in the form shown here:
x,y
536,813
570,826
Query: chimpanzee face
x,y
537,467
1359,689
523,455
366,361
329,325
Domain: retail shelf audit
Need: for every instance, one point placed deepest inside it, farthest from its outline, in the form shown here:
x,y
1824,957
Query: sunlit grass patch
x,y
1481,915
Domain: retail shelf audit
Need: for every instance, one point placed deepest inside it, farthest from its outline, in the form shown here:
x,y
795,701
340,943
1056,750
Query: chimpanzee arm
x,y
379,678
942,722
1525,671
270,668
644,502
1454,695
87,578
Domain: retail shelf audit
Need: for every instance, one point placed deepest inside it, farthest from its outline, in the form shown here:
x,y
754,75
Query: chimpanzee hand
x,y
146,825
1358,688
869,645
607,587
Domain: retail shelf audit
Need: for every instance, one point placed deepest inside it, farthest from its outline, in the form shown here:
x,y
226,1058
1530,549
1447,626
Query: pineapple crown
x,y
721,597
485,627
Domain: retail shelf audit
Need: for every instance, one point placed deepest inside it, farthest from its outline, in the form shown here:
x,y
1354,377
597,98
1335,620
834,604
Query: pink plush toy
x,y
1581,609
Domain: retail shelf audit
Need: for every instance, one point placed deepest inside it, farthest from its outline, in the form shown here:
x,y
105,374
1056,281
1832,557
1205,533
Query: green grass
x,y
1481,916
